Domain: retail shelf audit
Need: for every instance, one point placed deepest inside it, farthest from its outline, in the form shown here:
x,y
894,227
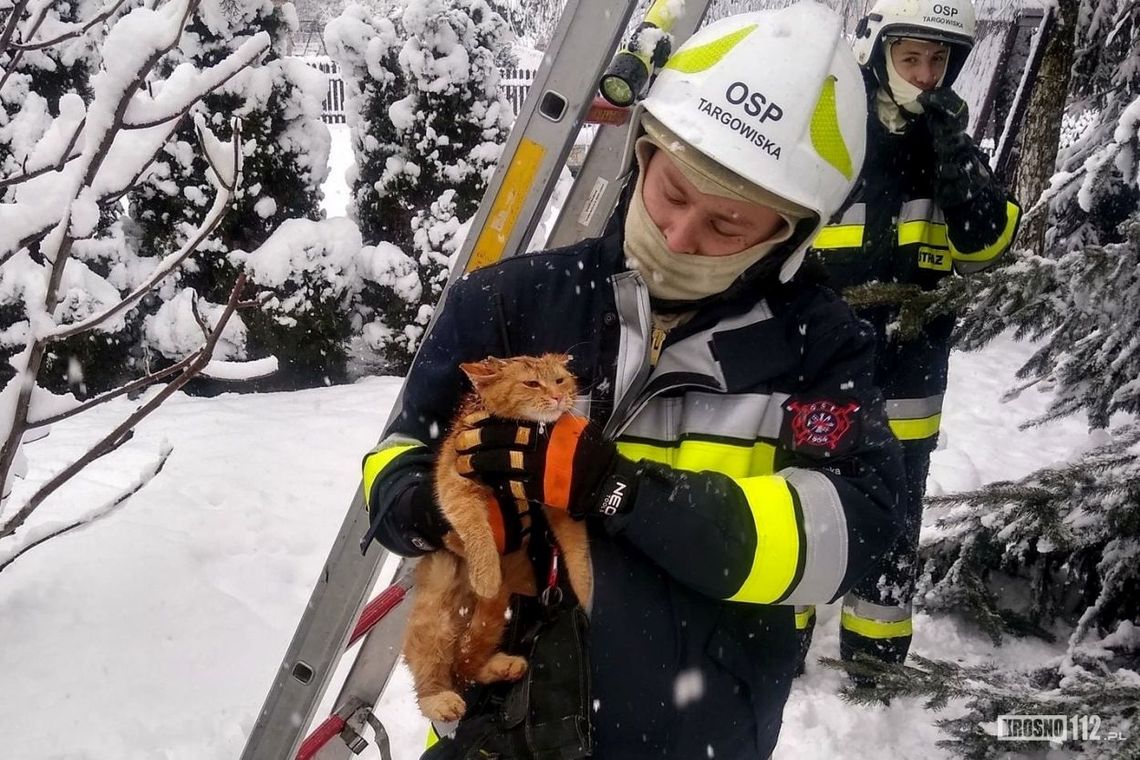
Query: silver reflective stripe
x,y
856,214
693,355
632,299
882,613
913,408
969,267
745,417
923,209
825,531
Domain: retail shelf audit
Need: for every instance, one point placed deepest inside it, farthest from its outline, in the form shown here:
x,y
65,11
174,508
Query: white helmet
x,y
777,97
947,21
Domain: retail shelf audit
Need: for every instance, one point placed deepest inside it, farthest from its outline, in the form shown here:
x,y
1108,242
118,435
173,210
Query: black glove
x,y
565,464
412,525
946,113
957,167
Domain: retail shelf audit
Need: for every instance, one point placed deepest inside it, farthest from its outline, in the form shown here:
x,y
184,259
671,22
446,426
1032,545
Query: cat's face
x,y
535,388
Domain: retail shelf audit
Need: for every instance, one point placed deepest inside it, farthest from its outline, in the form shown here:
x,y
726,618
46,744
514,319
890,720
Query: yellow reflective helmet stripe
x,y
376,460
875,629
995,249
916,429
776,560
839,236
704,57
825,135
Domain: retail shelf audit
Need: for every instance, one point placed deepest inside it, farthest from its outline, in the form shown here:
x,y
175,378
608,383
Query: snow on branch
x,y
225,178
67,31
90,156
123,432
47,532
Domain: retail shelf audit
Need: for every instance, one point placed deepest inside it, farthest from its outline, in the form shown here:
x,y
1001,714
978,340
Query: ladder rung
x,y
376,610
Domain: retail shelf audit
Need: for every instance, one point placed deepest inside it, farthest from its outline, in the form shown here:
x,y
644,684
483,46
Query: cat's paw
x,y
443,707
501,667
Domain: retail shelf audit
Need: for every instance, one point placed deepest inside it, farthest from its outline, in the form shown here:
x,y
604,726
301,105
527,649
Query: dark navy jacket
x,y
769,478
896,230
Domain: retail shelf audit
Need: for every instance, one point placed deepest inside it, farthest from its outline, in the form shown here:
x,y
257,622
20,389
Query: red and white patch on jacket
x,y
821,424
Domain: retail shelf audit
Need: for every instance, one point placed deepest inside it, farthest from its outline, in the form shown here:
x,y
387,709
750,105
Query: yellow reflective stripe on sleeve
x,y
697,456
432,737
924,232
804,617
915,430
839,236
376,461
875,629
763,459
638,451
777,540
992,251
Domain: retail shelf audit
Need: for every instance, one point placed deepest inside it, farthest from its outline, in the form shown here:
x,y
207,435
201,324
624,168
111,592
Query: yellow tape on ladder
x,y
508,204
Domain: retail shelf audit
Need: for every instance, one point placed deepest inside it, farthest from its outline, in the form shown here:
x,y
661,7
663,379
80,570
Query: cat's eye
x,y
560,380
532,383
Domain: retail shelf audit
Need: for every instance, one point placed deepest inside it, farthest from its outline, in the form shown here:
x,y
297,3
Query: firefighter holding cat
x,y
926,207
737,459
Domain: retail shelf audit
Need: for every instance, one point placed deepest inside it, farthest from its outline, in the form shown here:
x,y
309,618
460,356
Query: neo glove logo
x,y
612,503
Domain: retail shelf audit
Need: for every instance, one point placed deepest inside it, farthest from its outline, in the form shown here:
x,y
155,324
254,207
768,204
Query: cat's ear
x,y
482,371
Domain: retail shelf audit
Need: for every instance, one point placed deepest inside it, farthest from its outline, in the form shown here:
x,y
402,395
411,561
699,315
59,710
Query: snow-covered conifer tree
x,y
279,102
430,127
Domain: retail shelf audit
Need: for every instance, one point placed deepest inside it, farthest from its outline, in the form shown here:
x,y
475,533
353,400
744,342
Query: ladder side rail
x,y
543,134
319,641
600,180
373,667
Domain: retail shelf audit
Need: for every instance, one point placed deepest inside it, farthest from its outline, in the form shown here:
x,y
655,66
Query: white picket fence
x,y
515,83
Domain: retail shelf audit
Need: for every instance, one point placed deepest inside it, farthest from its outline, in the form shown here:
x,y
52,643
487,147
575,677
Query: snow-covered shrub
x,y
285,162
367,49
306,280
429,122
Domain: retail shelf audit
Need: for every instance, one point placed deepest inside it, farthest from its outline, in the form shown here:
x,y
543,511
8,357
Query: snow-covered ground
x,y
155,633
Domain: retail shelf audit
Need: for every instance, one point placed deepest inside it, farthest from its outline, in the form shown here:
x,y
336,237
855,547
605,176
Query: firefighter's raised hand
x,y
560,464
946,113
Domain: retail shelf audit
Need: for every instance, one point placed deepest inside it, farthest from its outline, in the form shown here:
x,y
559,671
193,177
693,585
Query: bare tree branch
x,y
103,511
16,56
120,434
221,205
68,155
135,385
58,243
10,24
181,112
81,29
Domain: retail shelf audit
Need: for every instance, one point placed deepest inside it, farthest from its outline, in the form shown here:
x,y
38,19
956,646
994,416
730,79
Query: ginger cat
x,y
462,593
